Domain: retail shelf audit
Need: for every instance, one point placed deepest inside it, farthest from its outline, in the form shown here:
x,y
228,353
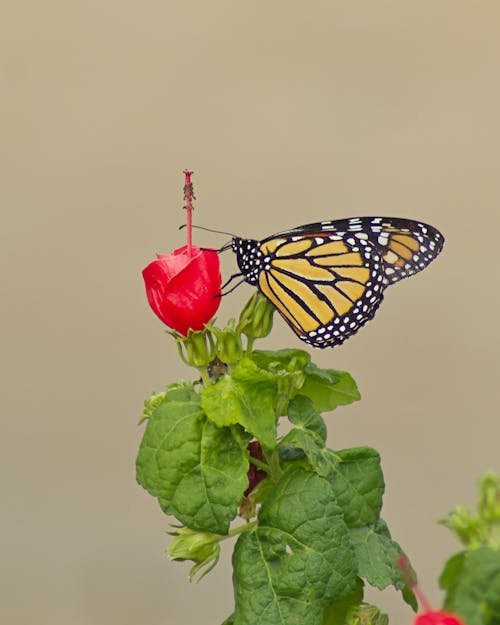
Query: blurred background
x,y
287,112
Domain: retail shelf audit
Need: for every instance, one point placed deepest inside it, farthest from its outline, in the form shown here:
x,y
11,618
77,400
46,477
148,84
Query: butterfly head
x,y
249,258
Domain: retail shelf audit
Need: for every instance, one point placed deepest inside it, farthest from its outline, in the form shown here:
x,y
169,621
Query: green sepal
x,y
197,349
203,548
256,318
229,346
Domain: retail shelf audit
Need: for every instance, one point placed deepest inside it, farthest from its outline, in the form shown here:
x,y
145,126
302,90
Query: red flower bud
x,y
183,287
437,617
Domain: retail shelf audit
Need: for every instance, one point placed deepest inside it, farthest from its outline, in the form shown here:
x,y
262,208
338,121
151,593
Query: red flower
x,y
437,617
183,287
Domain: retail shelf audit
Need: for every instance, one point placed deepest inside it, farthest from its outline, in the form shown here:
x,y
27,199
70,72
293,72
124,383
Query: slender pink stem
x,y
421,598
189,197
190,230
410,581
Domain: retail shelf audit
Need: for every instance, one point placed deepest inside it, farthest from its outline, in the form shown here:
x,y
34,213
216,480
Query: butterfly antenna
x,y
224,248
210,230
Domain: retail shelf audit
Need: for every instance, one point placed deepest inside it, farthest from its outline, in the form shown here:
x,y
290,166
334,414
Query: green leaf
x,y
281,359
328,388
376,554
297,560
450,576
287,367
367,614
229,620
151,403
472,582
309,435
301,412
409,597
180,461
336,613
359,485
248,396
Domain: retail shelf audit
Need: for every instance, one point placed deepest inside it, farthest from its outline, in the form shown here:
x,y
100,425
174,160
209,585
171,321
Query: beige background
x,y
288,112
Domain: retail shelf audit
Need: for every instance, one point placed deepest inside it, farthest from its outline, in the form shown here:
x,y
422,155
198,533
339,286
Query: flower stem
x,y
250,343
411,582
241,528
205,376
189,197
259,464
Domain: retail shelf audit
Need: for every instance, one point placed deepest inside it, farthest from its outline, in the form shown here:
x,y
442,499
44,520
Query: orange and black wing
x,y
406,246
327,279
323,287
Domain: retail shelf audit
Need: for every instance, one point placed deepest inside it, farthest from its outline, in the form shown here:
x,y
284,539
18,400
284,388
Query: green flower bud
x,y
470,530
203,548
489,498
256,319
198,348
229,347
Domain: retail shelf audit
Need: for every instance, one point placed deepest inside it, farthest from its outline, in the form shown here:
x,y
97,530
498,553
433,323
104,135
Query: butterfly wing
x,y
406,246
324,287
327,279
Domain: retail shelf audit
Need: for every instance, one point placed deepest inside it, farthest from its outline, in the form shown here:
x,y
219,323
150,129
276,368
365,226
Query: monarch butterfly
x,y
327,279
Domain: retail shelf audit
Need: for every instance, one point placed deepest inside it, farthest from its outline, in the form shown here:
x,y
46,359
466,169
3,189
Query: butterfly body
x,y
327,279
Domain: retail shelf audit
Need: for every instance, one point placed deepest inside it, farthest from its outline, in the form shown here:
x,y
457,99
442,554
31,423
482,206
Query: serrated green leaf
x,y
297,560
358,483
328,388
472,582
281,359
309,435
301,412
180,461
377,555
248,397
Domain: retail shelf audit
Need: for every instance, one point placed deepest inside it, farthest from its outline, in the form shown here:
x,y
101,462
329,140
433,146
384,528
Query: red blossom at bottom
x,y
429,617
437,617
